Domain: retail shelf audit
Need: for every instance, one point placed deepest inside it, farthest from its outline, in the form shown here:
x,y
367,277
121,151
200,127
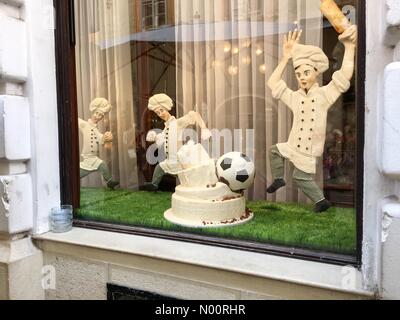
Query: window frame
x,y
70,155
155,15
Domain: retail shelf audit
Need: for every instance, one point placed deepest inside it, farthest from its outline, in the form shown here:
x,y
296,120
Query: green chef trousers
x,y
158,175
304,181
103,169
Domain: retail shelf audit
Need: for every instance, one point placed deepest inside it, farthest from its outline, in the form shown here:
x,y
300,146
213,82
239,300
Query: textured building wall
x,y
29,177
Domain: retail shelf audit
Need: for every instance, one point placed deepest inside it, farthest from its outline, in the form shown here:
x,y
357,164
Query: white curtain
x,y
227,50
104,69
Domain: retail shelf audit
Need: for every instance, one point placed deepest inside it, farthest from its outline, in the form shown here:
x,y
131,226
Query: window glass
x,y
154,13
161,13
220,118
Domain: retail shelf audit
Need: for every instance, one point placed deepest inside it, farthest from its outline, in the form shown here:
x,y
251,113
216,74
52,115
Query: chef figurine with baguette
x,y
310,105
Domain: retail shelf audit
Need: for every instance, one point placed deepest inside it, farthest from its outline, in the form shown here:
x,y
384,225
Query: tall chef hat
x,y
160,100
100,104
311,55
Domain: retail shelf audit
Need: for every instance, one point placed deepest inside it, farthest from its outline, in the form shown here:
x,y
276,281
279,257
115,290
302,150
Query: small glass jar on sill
x,y
61,219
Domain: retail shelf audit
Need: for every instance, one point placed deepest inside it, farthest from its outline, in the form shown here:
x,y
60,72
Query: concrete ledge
x,y
13,59
21,266
290,271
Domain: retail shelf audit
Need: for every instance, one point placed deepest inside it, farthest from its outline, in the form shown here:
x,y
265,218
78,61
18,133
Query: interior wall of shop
x,y
29,185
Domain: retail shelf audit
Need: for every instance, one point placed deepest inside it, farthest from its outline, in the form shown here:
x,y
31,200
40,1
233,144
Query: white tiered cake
x,y
201,201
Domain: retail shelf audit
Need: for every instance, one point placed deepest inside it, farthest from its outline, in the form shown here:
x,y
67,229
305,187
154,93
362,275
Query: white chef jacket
x,y
307,138
92,139
172,138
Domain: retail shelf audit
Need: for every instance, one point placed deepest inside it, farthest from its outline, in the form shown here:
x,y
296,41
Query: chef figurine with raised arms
x,y
172,136
93,139
310,106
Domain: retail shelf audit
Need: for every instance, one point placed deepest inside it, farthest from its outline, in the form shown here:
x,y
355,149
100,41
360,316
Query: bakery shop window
x,y
237,123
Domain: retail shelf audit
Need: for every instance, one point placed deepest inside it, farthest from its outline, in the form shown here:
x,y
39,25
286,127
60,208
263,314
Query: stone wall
x,y
82,273
389,151
29,177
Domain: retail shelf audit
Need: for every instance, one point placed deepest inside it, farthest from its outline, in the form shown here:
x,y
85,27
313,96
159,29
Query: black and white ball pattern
x,y
236,170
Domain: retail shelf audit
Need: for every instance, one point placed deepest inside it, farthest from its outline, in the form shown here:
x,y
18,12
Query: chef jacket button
x,y
313,110
303,111
299,139
307,149
301,129
309,139
299,146
312,120
302,102
311,129
313,101
302,120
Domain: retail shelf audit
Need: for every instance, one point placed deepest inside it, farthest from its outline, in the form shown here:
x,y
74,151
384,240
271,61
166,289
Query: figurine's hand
x,y
205,134
350,36
108,137
290,42
151,136
160,139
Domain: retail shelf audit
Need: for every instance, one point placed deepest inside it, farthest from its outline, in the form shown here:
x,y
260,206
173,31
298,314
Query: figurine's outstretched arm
x,y
198,119
289,43
205,133
349,40
341,79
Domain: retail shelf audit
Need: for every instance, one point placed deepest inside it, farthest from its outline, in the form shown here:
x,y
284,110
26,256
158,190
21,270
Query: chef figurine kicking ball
x,y
93,139
171,137
310,106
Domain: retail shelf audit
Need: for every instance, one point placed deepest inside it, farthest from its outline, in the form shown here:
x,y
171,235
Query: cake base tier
x,y
208,210
188,223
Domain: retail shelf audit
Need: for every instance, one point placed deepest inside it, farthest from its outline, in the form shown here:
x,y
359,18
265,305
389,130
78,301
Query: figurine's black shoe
x,y
112,184
278,183
150,187
322,206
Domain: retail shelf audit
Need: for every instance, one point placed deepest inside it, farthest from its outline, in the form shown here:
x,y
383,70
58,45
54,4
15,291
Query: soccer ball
x,y
236,170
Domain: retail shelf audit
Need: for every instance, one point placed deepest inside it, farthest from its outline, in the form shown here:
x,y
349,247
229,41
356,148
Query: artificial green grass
x,y
292,225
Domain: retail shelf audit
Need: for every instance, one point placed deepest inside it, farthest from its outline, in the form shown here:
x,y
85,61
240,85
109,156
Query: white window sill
x,y
314,274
